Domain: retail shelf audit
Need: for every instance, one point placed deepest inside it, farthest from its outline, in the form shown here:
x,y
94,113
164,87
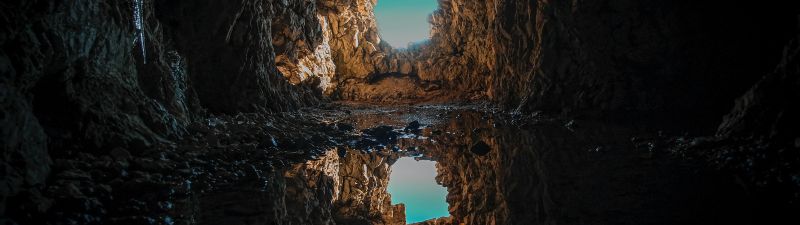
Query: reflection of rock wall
x,y
475,184
331,190
300,194
364,197
585,174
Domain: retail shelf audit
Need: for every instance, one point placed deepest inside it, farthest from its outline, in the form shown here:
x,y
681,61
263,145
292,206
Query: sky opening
x,y
413,183
402,22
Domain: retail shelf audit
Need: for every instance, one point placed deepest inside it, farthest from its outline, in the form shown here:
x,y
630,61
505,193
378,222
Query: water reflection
x,y
507,169
494,168
413,183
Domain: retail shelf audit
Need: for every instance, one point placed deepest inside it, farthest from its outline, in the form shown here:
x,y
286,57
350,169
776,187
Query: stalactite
x,y
139,25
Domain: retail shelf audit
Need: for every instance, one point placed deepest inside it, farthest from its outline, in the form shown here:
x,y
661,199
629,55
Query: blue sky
x,y
413,183
403,21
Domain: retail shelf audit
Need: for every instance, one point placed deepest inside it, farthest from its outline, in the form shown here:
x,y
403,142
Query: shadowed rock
x,y
480,148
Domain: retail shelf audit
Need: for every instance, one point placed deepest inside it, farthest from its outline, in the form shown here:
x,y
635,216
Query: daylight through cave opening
x,y
404,23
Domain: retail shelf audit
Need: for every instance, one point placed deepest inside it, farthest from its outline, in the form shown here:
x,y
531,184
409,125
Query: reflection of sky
x,y
404,21
413,183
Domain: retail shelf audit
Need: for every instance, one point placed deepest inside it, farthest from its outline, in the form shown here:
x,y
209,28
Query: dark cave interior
x,y
293,112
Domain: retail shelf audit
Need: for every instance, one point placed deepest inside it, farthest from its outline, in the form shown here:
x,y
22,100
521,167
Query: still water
x,y
528,169
413,183
475,165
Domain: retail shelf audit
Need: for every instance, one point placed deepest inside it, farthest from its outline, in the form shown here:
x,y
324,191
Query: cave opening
x,y
428,112
413,183
404,23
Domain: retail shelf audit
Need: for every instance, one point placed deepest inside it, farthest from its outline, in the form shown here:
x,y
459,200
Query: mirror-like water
x,y
501,169
475,166
413,183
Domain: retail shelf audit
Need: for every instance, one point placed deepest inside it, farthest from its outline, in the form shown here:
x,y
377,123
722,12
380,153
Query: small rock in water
x,y
413,126
480,148
382,134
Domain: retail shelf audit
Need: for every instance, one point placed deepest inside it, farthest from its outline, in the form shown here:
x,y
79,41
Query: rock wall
x,y
70,77
617,59
452,66
635,57
231,58
79,77
604,58
367,69
768,109
757,138
461,53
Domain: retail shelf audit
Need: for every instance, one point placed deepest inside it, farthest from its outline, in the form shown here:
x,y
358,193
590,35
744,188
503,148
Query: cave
x,y
321,112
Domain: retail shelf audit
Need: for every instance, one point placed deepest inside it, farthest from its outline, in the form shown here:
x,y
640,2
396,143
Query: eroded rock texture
x,y
331,190
366,68
74,79
617,59
453,65
364,197
614,57
605,58
540,171
759,137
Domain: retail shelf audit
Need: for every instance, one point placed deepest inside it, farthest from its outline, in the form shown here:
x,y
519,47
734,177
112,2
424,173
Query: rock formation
x,y
102,98
74,80
758,137
619,59
603,58
364,196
